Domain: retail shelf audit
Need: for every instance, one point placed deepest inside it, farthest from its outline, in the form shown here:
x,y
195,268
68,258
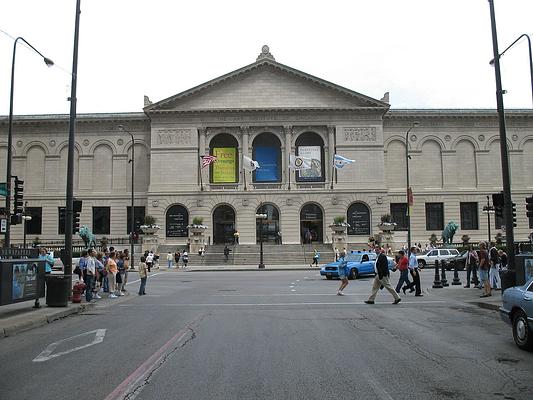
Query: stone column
x,y
331,153
288,150
245,131
202,132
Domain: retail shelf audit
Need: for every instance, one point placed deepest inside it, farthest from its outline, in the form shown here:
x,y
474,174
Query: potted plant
x,y
386,224
339,224
149,227
197,226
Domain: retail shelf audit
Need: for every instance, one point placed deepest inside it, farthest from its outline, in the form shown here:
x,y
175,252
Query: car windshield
x,y
354,257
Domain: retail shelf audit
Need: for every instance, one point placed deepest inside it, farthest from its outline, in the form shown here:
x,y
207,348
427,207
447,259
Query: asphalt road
x,y
267,335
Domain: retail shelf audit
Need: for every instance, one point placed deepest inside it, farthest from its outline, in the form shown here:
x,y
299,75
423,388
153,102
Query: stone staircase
x,y
249,254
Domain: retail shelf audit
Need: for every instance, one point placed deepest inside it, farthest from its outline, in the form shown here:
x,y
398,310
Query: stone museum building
x,y
267,111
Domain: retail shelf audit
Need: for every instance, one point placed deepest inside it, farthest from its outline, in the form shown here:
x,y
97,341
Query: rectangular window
x,y
469,216
434,216
101,220
398,212
139,219
34,225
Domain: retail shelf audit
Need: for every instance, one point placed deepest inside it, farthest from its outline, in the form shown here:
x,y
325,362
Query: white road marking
x,y
284,304
46,354
378,389
293,290
138,280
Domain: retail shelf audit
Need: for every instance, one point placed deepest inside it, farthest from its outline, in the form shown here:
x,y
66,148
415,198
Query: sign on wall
x,y
315,172
177,221
268,159
359,219
225,168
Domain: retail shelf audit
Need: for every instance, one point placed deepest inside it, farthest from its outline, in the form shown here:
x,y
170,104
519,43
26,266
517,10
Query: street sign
x,y
3,189
3,225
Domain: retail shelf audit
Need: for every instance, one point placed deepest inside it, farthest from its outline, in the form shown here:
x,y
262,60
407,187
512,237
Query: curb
x,y
480,304
44,319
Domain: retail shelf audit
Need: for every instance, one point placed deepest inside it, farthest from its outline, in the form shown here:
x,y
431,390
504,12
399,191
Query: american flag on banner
x,y
206,160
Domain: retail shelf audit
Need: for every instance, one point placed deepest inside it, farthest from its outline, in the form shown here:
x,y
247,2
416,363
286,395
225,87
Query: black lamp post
x,y
506,176
49,63
488,209
132,212
491,62
409,191
261,217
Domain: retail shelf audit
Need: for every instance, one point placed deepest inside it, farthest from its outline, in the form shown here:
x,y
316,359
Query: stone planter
x,y
197,230
150,231
386,227
338,228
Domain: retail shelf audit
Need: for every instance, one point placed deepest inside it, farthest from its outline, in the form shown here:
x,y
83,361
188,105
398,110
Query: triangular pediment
x,y
266,85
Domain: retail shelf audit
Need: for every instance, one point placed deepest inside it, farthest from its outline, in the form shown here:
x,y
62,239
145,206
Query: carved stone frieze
x,y
174,137
356,134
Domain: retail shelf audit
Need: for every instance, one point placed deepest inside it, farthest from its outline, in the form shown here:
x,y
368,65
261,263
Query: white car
x,y
432,255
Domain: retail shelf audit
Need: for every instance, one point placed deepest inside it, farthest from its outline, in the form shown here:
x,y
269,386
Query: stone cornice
x,y
137,117
450,113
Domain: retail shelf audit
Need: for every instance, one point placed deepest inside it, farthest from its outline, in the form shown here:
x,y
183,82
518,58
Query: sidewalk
x,y
19,317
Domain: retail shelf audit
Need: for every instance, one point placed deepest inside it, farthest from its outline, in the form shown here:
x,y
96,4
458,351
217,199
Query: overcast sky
x,y
426,53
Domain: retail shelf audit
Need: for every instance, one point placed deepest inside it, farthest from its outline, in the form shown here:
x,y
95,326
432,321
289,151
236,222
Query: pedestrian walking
x,y
494,272
471,263
415,274
316,257
169,259
337,254
401,265
484,267
127,264
143,274
343,273
185,259
177,256
236,237
382,278
149,260
121,274
226,253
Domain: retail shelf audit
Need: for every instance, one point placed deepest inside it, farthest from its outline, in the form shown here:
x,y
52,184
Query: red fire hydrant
x,y
77,290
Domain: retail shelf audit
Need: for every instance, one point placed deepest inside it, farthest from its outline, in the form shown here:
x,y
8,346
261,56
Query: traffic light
x,y
76,208
514,214
16,219
498,202
529,207
18,196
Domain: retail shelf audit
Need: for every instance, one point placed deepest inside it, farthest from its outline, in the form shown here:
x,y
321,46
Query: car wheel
x,y
353,274
421,264
329,277
522,335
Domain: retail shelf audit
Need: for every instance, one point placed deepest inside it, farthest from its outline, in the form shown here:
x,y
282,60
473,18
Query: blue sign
x,y
268,159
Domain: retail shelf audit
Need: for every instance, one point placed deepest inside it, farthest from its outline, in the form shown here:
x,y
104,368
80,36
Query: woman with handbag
x,y
472,259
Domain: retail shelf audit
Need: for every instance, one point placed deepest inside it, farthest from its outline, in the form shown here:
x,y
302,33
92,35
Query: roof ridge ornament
x,y
265,54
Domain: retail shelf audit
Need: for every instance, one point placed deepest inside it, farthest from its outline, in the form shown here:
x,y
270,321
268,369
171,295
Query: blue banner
x,y
268,159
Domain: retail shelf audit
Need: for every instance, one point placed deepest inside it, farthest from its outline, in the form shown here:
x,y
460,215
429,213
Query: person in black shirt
x,y
382,278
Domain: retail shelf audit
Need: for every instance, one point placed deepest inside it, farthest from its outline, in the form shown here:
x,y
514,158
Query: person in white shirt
x,y
150,260
90,274
169,259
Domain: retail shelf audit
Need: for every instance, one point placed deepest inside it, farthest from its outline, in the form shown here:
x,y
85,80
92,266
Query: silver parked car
x,y
517,310
432,255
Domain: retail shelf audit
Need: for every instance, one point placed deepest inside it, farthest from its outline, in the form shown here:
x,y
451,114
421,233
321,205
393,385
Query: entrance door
x,y
223,225
311,224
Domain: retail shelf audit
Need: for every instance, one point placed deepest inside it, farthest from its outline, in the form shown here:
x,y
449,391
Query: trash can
x,y
57,290
508,278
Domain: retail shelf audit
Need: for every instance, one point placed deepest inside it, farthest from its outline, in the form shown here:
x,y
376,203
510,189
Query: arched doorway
x,y
311,145
311,223
177,220
223,224
226,149
270,225
267,152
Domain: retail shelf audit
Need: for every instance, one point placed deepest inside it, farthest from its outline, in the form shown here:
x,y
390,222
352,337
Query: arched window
x,y
226,168
311,223
358,219
311,145
177,219
267,152
268,227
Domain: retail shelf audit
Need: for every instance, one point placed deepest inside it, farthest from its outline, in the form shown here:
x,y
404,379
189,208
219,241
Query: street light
x,y
261,217
48,63
25,218
491,62
488,209
409,193
132,213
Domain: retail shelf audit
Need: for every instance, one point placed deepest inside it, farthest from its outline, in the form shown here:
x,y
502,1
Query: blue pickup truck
x,y
359,263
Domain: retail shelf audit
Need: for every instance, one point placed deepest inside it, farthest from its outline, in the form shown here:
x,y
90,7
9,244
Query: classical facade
x,y
267,111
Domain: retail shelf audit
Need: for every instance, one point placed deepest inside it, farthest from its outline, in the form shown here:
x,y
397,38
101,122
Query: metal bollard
x,y
456,280
443,279
437,284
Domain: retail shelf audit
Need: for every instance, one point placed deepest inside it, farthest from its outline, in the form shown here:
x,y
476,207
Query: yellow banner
x,y
225,168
